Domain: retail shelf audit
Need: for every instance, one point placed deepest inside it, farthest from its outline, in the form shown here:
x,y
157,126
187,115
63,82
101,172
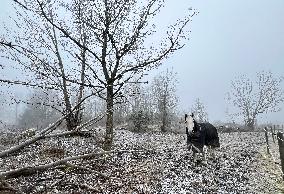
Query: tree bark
x,y
109,119
78,112
71,121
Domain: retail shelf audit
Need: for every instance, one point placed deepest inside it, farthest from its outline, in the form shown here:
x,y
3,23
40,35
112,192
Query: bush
x,y
140,120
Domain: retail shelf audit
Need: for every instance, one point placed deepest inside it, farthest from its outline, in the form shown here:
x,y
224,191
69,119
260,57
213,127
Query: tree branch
x,y
31,170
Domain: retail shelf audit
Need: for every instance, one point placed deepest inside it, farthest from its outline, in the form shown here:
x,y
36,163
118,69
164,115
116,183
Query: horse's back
x,y
211,134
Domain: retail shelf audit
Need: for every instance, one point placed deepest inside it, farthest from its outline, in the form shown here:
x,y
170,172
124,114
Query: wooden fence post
x,y
266,139
281,150
272,133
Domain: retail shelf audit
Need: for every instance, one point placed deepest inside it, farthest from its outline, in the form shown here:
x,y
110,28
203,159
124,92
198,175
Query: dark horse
x,y
200,134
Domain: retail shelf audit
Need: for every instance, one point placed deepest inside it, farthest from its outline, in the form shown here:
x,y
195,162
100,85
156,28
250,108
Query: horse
x,y
200,135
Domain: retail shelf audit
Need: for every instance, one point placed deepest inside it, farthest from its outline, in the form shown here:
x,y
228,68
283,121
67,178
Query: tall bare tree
x,y
116,46
199,111
256,97
164,92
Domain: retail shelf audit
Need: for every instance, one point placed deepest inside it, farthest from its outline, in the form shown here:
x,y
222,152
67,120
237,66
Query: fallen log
x,y
30,170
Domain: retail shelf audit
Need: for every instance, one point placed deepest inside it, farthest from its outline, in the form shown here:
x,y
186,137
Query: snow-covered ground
x,y
158,163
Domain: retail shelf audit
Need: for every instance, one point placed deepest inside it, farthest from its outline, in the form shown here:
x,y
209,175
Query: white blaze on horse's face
x,y
189,123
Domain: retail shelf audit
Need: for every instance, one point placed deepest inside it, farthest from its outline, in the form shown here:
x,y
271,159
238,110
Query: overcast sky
x,y
228,38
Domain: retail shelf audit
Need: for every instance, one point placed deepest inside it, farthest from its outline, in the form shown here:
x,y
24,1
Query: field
x,y
148,163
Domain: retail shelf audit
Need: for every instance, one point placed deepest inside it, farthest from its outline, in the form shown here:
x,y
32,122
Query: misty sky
x,y
228,38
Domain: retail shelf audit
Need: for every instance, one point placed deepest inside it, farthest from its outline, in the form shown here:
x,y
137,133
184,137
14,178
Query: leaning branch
x,y
30,170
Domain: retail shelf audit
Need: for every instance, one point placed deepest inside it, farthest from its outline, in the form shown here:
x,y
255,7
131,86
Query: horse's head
x,y
189,122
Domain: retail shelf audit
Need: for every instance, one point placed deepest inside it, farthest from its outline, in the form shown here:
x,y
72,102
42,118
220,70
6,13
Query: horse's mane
x,y
196,126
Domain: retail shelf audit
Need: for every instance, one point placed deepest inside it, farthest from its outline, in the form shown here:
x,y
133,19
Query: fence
x,y
276,132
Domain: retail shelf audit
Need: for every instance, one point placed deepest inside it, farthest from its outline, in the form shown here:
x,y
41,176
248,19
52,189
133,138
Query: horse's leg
x,y
194,153
211,152
194,156
204,155
199,151
191,150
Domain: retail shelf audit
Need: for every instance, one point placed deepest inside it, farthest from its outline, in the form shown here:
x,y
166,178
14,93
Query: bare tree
x,y
51,62
164,88
116,47
141,108
199,111
256,97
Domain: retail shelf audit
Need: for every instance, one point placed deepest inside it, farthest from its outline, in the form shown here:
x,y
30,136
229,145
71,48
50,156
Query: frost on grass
x,y
159,163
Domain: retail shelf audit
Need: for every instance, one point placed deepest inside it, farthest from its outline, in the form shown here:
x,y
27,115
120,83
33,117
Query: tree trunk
x,y
71,120
164,121
109,119
164,114
78,113
250,123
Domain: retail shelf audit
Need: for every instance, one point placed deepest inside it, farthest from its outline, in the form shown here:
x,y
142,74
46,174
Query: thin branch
x,y
23,83
21,4
67,34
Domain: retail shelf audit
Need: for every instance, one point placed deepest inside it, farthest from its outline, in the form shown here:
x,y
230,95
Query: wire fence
x,y
276,132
